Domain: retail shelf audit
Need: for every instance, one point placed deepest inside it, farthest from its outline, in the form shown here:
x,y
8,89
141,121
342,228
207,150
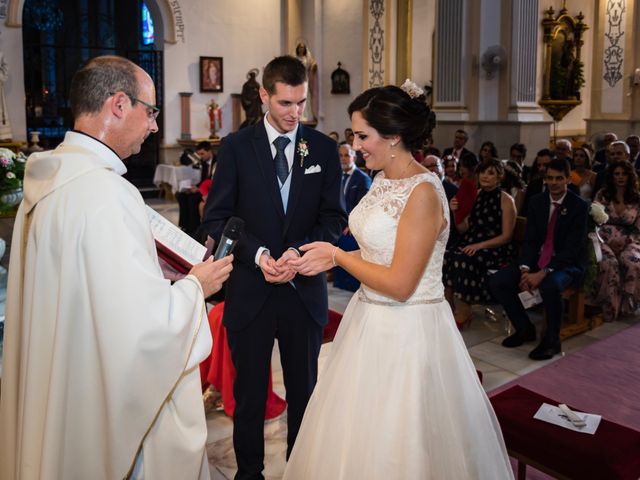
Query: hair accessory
x,y
413,90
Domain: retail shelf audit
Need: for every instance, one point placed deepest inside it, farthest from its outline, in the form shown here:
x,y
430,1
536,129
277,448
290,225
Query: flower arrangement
x,y
11,176
597,216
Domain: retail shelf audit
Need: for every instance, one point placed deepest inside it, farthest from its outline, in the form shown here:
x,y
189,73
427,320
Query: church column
x,y
451,60
377,46
523,63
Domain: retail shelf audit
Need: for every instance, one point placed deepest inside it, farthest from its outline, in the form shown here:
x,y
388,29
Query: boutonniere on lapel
x,y
563,211
303,150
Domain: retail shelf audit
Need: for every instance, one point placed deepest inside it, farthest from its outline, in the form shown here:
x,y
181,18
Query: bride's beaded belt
x,y
364,298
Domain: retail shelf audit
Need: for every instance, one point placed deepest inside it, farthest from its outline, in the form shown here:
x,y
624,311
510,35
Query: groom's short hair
x,y
285,69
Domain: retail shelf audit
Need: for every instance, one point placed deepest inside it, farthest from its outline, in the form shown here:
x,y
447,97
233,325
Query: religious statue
x,y
310,113
250,98
5,126
215,118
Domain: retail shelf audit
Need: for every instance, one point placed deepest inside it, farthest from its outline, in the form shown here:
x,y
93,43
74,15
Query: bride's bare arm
x,y
420,224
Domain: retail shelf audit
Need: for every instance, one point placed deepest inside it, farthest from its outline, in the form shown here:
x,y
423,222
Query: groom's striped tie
x,y
282,167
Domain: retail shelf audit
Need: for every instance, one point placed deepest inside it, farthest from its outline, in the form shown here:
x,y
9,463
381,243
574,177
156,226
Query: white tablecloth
x,y
178,177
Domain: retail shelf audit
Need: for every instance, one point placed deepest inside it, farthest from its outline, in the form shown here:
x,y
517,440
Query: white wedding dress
x,y
399,397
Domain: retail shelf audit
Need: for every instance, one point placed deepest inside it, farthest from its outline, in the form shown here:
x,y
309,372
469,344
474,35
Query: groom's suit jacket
x,y
246,186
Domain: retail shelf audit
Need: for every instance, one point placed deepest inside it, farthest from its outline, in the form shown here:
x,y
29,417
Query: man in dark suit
x,y
355,185
283,180
460,139
538,184
189,200
553,257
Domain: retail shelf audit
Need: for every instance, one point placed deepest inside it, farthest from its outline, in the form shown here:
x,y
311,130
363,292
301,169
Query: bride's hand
x,y
318,257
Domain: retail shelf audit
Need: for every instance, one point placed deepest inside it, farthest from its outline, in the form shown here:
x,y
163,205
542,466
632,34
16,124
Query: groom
x,y
283,180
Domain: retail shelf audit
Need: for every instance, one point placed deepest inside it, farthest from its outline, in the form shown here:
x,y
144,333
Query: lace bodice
x,y
374,223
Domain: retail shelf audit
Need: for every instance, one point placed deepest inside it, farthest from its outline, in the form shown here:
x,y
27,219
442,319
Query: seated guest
x,y
467,187
563,150
634,150
487,151
484,244
582,176
460,139
601,158
450,165
617,287
189,200
355,185
517,155
433,163
617,151
553,257
536,179
537,183
513,184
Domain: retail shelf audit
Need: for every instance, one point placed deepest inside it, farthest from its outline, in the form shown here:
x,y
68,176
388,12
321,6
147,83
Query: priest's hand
x,y
212,275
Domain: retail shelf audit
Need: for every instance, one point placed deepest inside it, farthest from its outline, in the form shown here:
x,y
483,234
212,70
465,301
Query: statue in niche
x,y
5,126
310,113
340,80
250,99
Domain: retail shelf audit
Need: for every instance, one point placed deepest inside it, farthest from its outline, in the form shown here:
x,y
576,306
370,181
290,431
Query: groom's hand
x,y
283,265
271,272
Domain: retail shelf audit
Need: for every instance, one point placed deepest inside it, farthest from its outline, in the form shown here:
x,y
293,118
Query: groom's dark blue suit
x,y
245,185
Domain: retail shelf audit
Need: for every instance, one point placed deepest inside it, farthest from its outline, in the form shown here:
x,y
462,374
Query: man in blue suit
x,y
283,180
553,257
355,185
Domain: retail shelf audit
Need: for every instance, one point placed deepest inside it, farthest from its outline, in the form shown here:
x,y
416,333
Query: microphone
x,y
232,231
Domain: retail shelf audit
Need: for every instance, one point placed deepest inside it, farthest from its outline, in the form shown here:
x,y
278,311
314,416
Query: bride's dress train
x,y
399,397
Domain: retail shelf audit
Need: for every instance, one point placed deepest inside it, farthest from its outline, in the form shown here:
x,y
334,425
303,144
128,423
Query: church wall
x,y
341,42
246,34
422,30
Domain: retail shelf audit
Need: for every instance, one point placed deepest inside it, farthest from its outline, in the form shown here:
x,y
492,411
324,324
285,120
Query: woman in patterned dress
x,y
484,245
617,287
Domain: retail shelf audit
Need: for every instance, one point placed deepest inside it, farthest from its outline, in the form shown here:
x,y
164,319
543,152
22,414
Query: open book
x,y
174,246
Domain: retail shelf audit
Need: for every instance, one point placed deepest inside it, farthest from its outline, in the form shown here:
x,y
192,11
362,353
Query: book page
x,y
175,239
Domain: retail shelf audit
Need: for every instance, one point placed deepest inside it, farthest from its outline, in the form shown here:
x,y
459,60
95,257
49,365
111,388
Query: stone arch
x,y
163,7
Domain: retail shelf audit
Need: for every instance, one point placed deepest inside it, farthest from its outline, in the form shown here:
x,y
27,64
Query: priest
x,y
100,376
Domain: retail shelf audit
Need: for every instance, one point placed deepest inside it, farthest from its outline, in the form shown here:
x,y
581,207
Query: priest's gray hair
x,y
100,78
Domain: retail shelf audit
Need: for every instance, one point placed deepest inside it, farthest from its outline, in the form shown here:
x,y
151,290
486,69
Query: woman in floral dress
x,y
617,287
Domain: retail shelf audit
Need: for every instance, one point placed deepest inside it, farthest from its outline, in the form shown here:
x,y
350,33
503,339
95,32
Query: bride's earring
x,y
393,155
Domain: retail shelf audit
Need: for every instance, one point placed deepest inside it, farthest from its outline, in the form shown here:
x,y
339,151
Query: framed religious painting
x,y
210,74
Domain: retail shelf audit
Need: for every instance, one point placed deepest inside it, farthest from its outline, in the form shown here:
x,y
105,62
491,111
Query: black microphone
x,y
230,235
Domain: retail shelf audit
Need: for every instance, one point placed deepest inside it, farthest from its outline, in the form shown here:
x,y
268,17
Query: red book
x,y
467,193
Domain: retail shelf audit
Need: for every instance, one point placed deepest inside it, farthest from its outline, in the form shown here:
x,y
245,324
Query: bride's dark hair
x,y
391,111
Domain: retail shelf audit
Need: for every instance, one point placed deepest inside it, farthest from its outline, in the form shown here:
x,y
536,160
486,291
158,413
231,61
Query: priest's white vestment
x,y
100,351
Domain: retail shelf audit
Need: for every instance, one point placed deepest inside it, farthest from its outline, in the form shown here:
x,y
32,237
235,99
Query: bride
x,y
399,397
